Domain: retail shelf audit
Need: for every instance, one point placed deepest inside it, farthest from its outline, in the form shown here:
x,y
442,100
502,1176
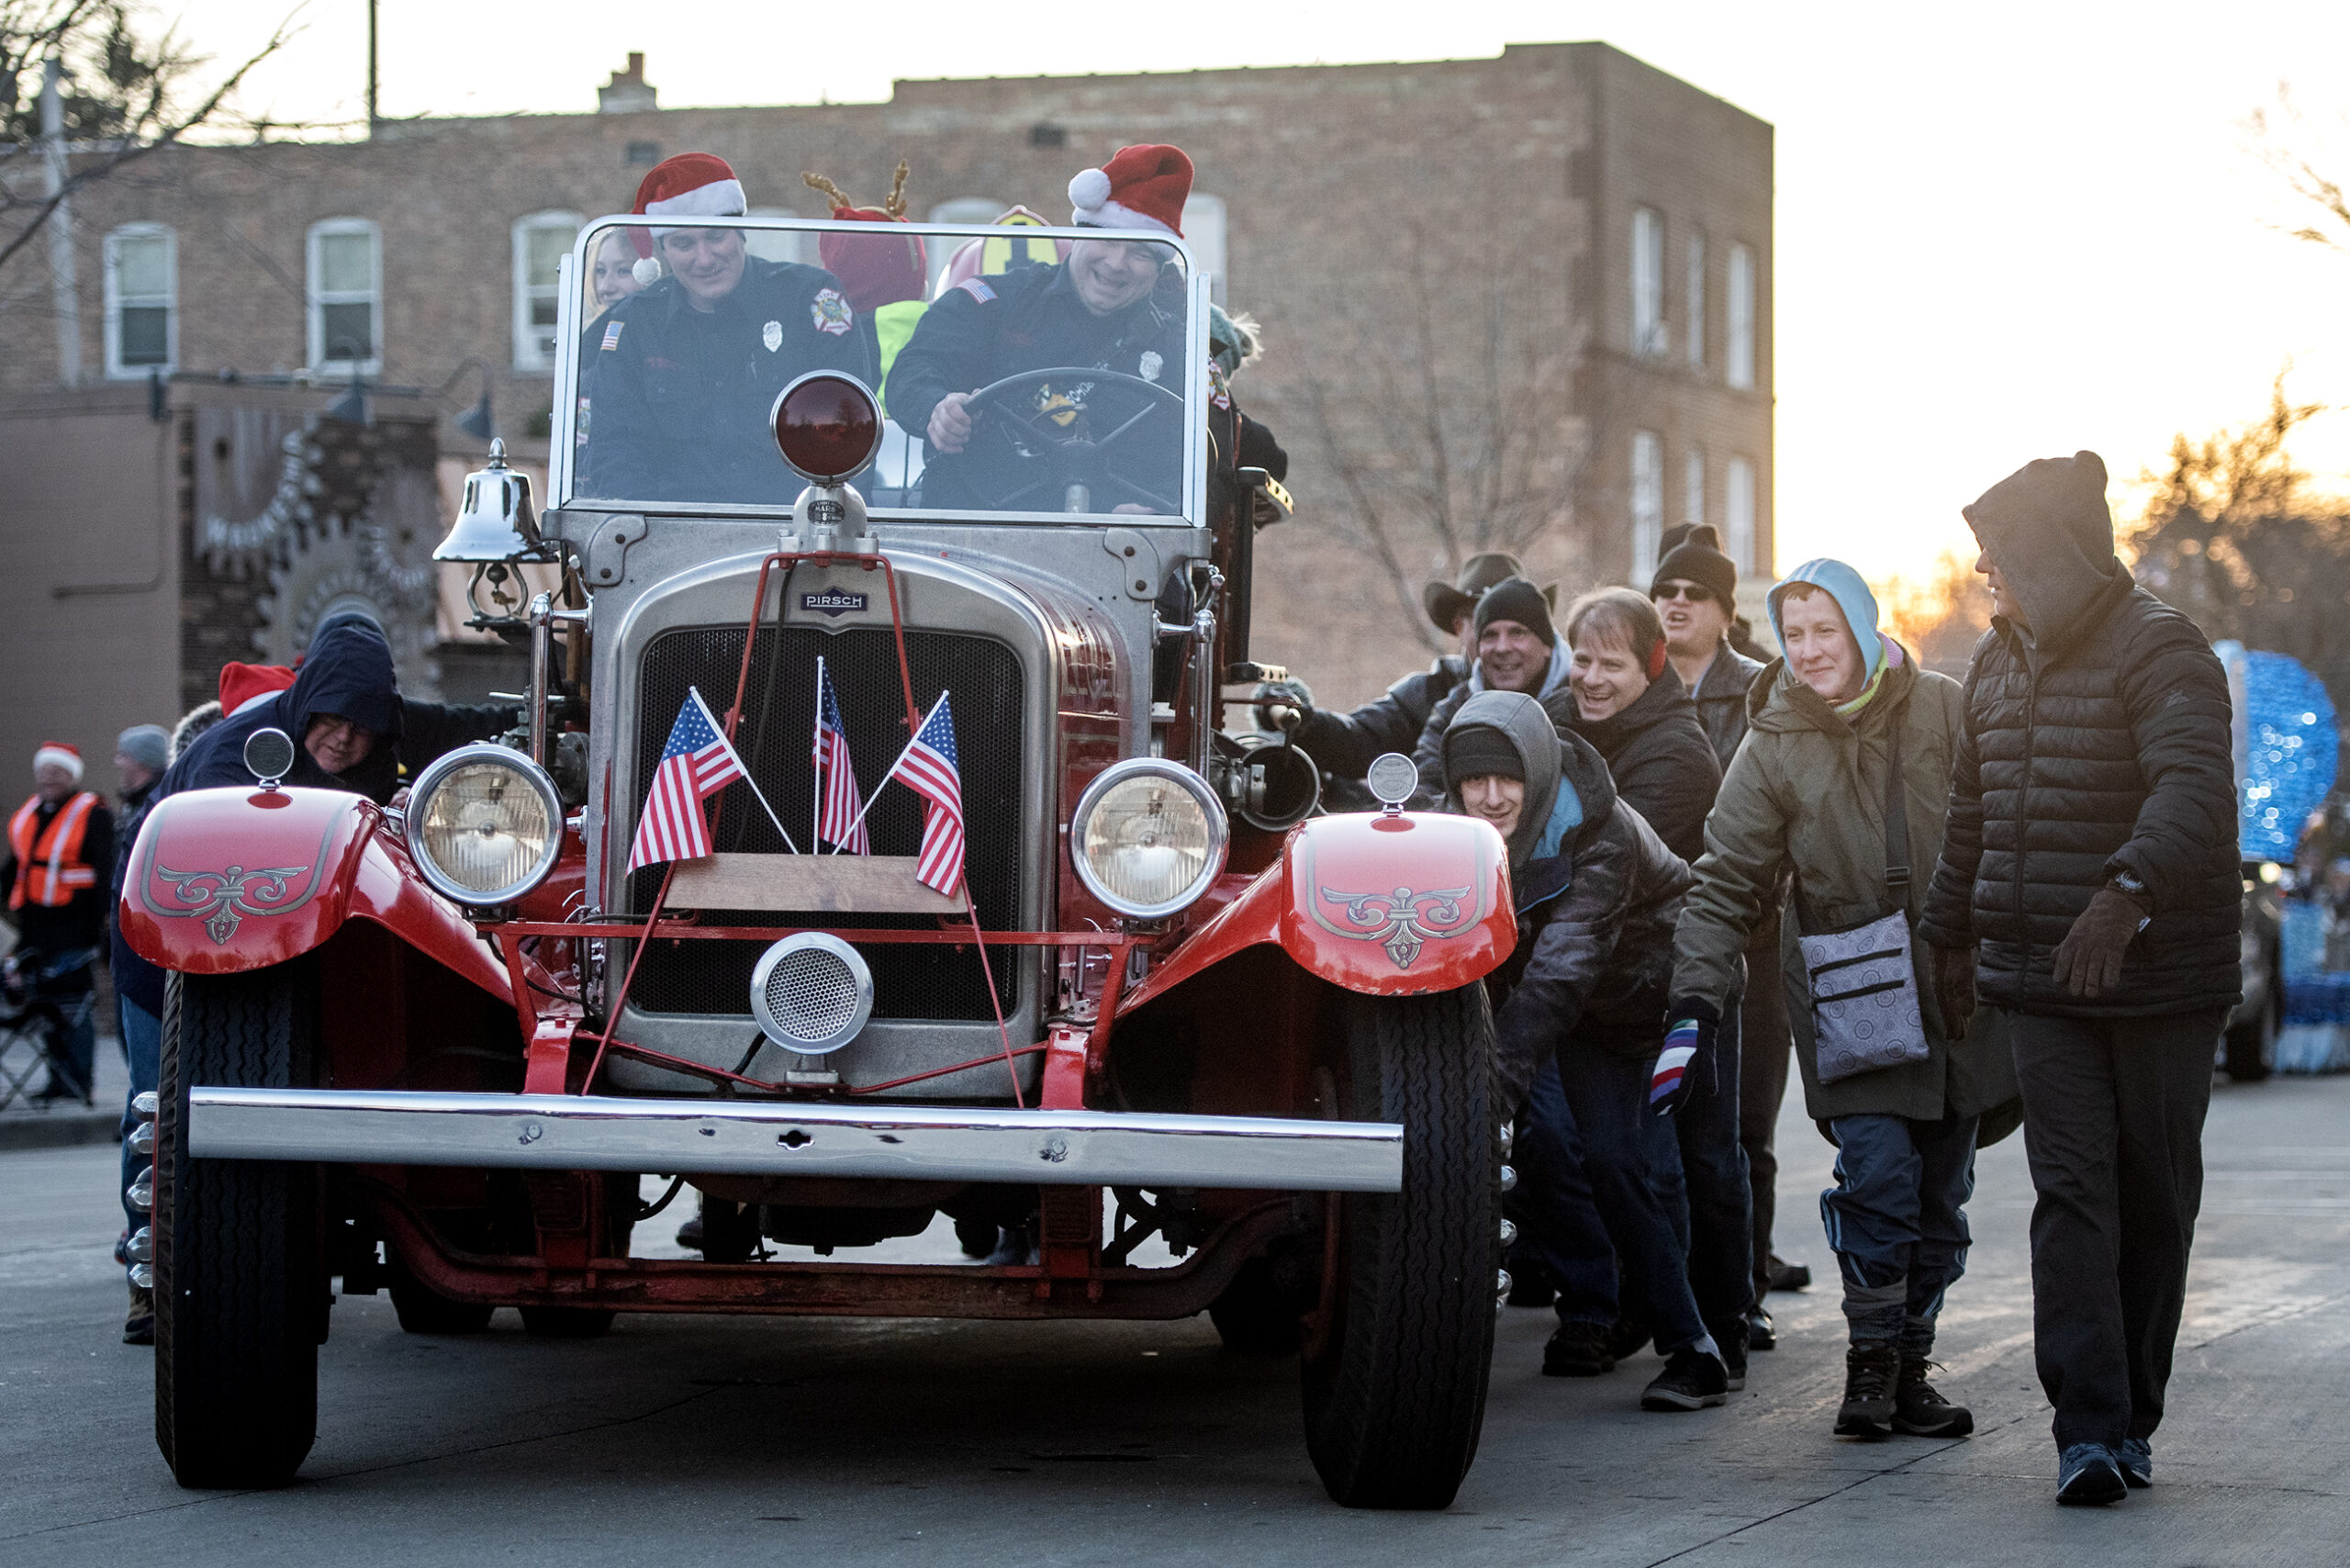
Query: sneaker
x,y
1691,1381
2087,1474
1730,1339
2136,1458
1761,1333
139,1327
1871,1367
1786,1276
1577,1349
1920,1410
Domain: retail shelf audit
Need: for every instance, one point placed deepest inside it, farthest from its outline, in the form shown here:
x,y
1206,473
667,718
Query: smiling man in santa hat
x,y
678,384
1116,305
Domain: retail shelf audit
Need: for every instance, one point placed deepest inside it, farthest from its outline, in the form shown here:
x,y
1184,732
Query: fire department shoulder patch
x,y
832,313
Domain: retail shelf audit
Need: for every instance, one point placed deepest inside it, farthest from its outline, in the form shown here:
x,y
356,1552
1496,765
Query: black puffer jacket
x,y
2098,745
1346,744
1721,700
1663,765
1595,913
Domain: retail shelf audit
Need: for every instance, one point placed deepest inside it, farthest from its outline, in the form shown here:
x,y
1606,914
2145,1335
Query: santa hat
x,y
691,185
62,754
874,269
1142,188
242,684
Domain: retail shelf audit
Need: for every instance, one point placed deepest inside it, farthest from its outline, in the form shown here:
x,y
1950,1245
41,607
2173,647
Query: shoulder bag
x,y
1863,983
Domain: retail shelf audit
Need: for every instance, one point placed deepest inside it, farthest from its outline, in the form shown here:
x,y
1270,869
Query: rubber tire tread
x,y
1396,1400
241,1296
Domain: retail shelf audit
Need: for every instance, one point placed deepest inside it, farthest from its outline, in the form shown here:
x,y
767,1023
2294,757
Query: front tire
x,y
240,1285
1394,1375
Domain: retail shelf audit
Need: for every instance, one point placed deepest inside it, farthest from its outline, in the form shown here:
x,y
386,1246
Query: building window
x,y
1693,485
791,245
1692,328
1204,231
1738,359
541,241
1737,511
142,300
962,210
346,269
1647,282
1648,502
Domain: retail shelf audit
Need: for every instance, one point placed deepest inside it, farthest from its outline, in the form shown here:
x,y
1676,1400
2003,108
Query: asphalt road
x,y
683,1440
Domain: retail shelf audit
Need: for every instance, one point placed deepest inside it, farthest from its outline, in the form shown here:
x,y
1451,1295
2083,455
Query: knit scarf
x,y
1892,658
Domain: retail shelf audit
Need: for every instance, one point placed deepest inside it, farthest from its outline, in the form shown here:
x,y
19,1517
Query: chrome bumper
x,y
558,1132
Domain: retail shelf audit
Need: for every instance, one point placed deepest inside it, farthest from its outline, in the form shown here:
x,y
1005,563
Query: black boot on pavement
x,y
1577,1349
1871,1369
139,1327
1920,1410
1761,1334
1692,1380
1786,1276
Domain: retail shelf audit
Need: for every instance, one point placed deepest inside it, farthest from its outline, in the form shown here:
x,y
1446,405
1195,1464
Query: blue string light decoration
x,y
2287,748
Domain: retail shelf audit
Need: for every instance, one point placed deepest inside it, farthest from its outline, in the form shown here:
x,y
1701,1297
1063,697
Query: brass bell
x,y
495,522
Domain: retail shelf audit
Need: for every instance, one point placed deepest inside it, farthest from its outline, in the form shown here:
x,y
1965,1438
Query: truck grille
x,y
775,740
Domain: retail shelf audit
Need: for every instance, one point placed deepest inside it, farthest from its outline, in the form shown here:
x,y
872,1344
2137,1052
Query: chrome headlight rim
x,y
421,798
1109,778
821,942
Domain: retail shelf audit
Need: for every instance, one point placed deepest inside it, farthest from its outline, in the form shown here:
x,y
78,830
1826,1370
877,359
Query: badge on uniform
x,y
1151,360
613,334
833,314
772,335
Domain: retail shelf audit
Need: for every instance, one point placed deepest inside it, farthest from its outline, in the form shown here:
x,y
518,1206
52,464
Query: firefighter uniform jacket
x,y
674,400
56,893
986,329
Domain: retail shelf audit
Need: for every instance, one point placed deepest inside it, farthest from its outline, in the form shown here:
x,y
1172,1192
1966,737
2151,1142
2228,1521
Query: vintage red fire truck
x,y
442,1048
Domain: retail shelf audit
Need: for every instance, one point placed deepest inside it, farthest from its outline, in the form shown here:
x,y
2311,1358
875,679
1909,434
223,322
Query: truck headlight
x,y
483,824
1147,838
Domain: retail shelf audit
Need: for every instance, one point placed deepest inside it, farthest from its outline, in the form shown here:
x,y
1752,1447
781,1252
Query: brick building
x,y
1514,302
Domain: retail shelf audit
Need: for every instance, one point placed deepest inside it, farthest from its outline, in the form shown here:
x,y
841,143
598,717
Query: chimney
x,y
628,93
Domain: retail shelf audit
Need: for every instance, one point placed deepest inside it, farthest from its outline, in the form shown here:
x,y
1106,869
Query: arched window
x,y
541,241
142,301
346,289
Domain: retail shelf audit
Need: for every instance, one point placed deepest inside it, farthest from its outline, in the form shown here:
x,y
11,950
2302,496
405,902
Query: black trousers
x,y
1765,1052
2113,1128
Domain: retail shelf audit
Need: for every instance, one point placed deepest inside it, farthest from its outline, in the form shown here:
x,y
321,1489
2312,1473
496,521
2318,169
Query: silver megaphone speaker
x,y
495,522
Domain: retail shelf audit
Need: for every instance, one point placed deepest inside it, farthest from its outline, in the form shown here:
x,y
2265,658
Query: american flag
x,y
695,764
840,812
929,766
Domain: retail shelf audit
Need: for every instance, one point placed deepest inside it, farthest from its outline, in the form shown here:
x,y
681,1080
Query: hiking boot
x,y
2136,1458
1871,1367
1921,1411
1786,1276
1692,1380
1627,1338
1577,1349
1730,1339
2087,1474
139,1327
1761,1333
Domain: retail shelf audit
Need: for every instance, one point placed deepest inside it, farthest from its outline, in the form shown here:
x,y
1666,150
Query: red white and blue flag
x,y
840,811
931,769
696,764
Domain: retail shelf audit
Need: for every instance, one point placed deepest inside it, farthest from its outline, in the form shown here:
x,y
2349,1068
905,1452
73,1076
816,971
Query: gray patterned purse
x,y
1864,1008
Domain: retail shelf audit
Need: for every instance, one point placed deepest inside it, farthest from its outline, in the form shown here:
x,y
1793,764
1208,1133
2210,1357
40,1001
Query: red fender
x,y
225,880
1389,905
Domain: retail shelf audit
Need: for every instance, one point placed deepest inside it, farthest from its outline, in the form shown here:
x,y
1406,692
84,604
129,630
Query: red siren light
x,y
827,426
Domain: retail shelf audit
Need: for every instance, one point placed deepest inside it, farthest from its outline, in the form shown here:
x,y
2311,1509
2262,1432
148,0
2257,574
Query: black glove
x,y
2088,960
1688,1052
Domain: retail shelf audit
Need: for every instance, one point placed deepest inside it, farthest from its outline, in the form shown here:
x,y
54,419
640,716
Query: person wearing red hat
x,y
675,396
58,841
1115,306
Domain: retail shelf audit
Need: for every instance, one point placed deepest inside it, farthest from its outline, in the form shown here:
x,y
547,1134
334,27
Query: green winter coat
x,y
1807,791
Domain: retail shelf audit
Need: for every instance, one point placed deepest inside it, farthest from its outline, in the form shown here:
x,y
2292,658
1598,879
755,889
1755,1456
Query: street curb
x,y
63,1130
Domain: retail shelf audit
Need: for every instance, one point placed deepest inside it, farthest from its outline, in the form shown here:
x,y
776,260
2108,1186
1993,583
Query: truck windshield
x,y
1022,370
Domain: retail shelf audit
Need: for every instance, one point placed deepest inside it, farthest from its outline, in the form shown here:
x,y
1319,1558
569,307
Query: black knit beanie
x,y
1515,598
1472,750
1697,557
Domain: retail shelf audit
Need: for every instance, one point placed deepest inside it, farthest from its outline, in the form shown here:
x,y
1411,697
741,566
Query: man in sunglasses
x,y
1695,594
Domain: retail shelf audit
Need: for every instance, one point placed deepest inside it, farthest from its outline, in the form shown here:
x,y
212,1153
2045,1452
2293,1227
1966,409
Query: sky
x,y
2002,233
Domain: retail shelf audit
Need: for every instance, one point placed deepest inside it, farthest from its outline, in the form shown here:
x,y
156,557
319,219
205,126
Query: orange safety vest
x,y
49,871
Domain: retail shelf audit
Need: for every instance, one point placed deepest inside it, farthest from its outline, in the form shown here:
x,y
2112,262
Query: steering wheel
x,y
1073,456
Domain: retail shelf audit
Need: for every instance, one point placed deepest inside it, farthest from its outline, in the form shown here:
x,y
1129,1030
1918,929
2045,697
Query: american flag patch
x,y
613,334
977,289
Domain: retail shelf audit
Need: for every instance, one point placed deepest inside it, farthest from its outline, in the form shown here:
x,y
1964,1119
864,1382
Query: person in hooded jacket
x,y
1598,893
1517,649
2088,888
1807,794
